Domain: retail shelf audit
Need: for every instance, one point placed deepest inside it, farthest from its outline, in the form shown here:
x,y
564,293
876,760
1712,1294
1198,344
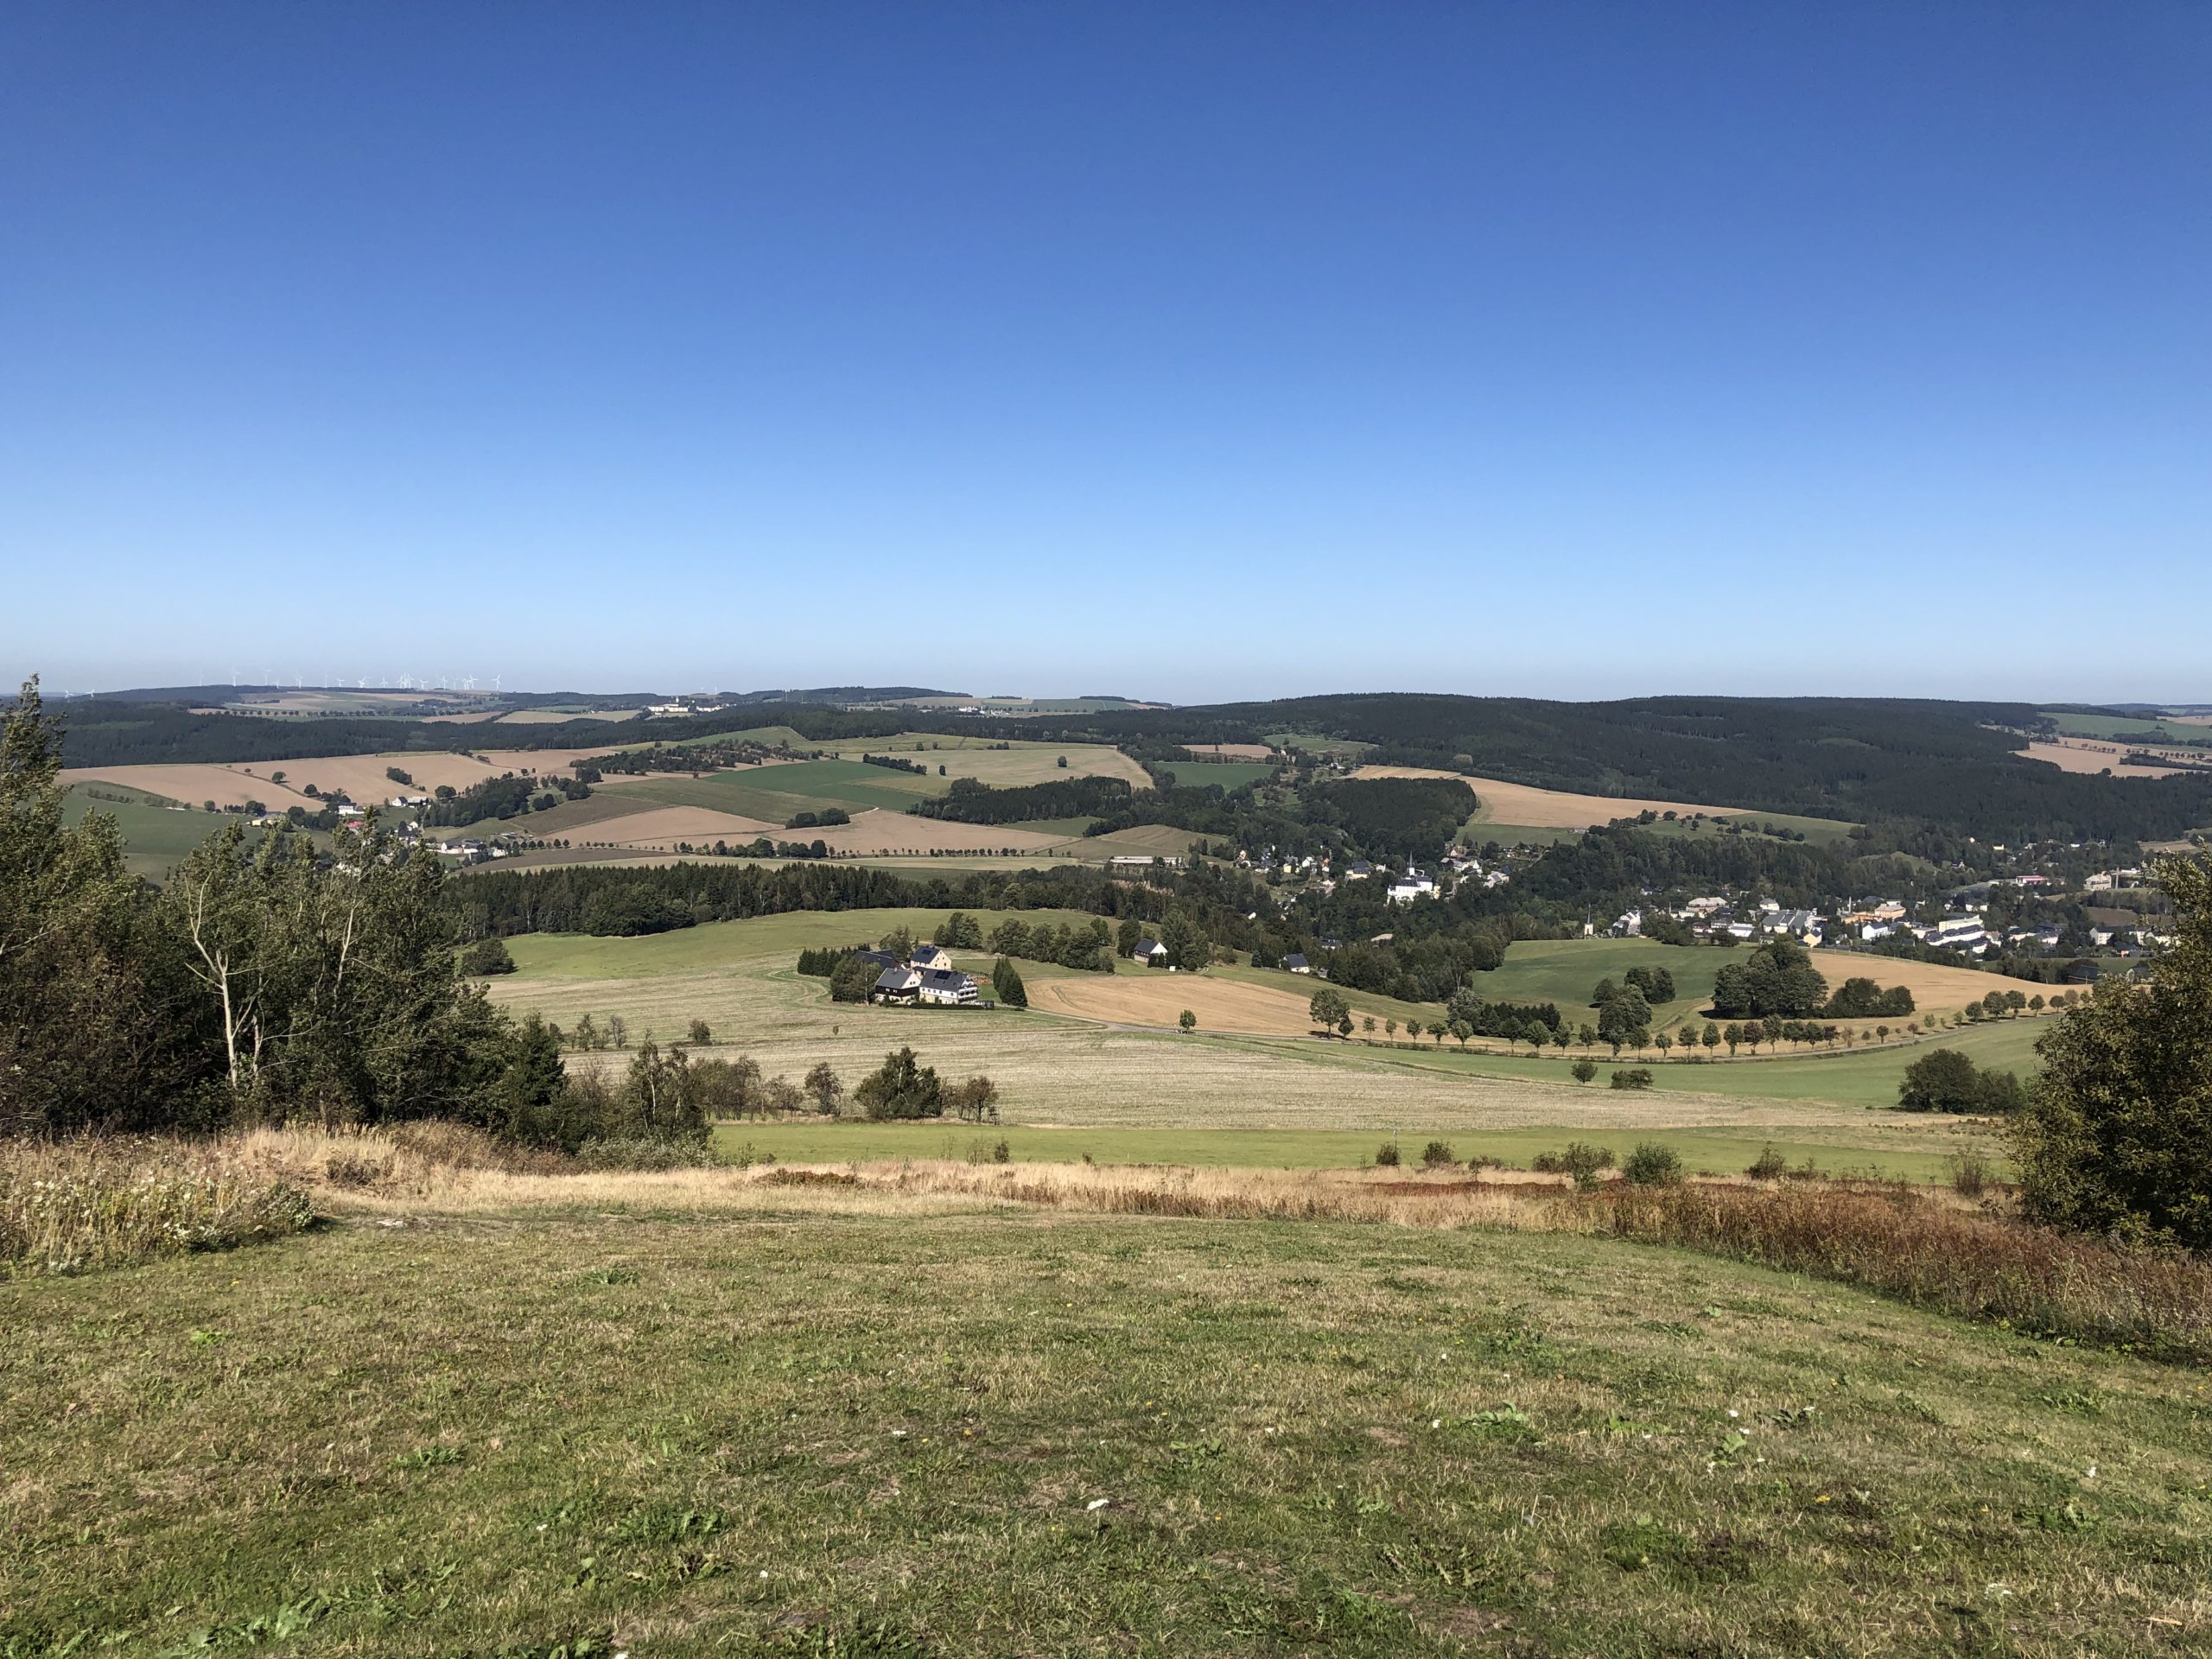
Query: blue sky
x,y
1182,351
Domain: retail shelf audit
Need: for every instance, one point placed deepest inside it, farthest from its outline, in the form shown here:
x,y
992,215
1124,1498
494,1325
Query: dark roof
x,y
1149,947
894,979
1295,960
946,979
880,958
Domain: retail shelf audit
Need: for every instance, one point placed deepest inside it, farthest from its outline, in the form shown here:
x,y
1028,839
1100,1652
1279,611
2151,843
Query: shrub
x,y
1652,1164
1437,1154
702,1033
1386,1156
1581,1161
1970,1172
486,957
1002,1152
1584,1071
1632,1077
1770,1165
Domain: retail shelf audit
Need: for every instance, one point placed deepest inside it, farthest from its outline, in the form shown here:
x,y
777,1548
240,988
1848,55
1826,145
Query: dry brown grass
x,y
94,1205
1981,1265
1526,806
81,1205
1932,984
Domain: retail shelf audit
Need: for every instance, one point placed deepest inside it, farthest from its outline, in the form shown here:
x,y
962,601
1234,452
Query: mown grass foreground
x,y
877,1428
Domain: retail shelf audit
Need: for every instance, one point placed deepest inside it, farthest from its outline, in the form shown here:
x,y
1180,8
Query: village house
x,y
931,959
896,984
946,987
1967,932
1296,964
1151,952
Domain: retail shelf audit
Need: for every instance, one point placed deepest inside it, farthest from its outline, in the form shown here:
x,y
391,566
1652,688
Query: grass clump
x,y
79,1206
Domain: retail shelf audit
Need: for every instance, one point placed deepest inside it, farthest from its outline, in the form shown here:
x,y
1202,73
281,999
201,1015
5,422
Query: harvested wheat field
x,y
1233,751
1932,984
661,828
360,777
1157,840
192,783
1157,998
878,831
2081,754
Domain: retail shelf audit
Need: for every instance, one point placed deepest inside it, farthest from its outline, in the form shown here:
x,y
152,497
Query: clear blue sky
x,y
1189,351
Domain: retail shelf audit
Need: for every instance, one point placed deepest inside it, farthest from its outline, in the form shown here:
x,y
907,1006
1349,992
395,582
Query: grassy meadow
x,y
1155,1090
155,838
815,1424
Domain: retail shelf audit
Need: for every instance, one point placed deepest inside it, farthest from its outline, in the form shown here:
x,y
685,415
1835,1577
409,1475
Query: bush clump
x,y
1632,1077
1652,1163
1581,1161
1386,1156
1769,1166
1437,1154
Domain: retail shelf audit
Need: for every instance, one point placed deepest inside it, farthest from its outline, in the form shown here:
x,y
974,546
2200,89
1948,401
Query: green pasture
x,y
1821,832
688,950
1318,743
1224,774
620,1428
776,794
1861,1077
2112,728
155,839
1480,832
1565,971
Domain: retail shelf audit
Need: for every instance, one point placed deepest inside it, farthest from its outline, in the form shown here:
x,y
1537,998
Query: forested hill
x,y
1955,764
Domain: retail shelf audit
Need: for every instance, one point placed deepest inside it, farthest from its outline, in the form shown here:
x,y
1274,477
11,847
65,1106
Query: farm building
x,y
947,987
930,957
1297,963
899,984
1151,952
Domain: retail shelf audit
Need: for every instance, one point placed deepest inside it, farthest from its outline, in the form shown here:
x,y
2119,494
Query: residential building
x,y
899,984
947,987
1151,952
1967,932
931,959
1296,964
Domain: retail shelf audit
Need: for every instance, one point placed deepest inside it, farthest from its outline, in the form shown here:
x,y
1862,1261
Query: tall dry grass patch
x,y
1976,1264
77,1206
